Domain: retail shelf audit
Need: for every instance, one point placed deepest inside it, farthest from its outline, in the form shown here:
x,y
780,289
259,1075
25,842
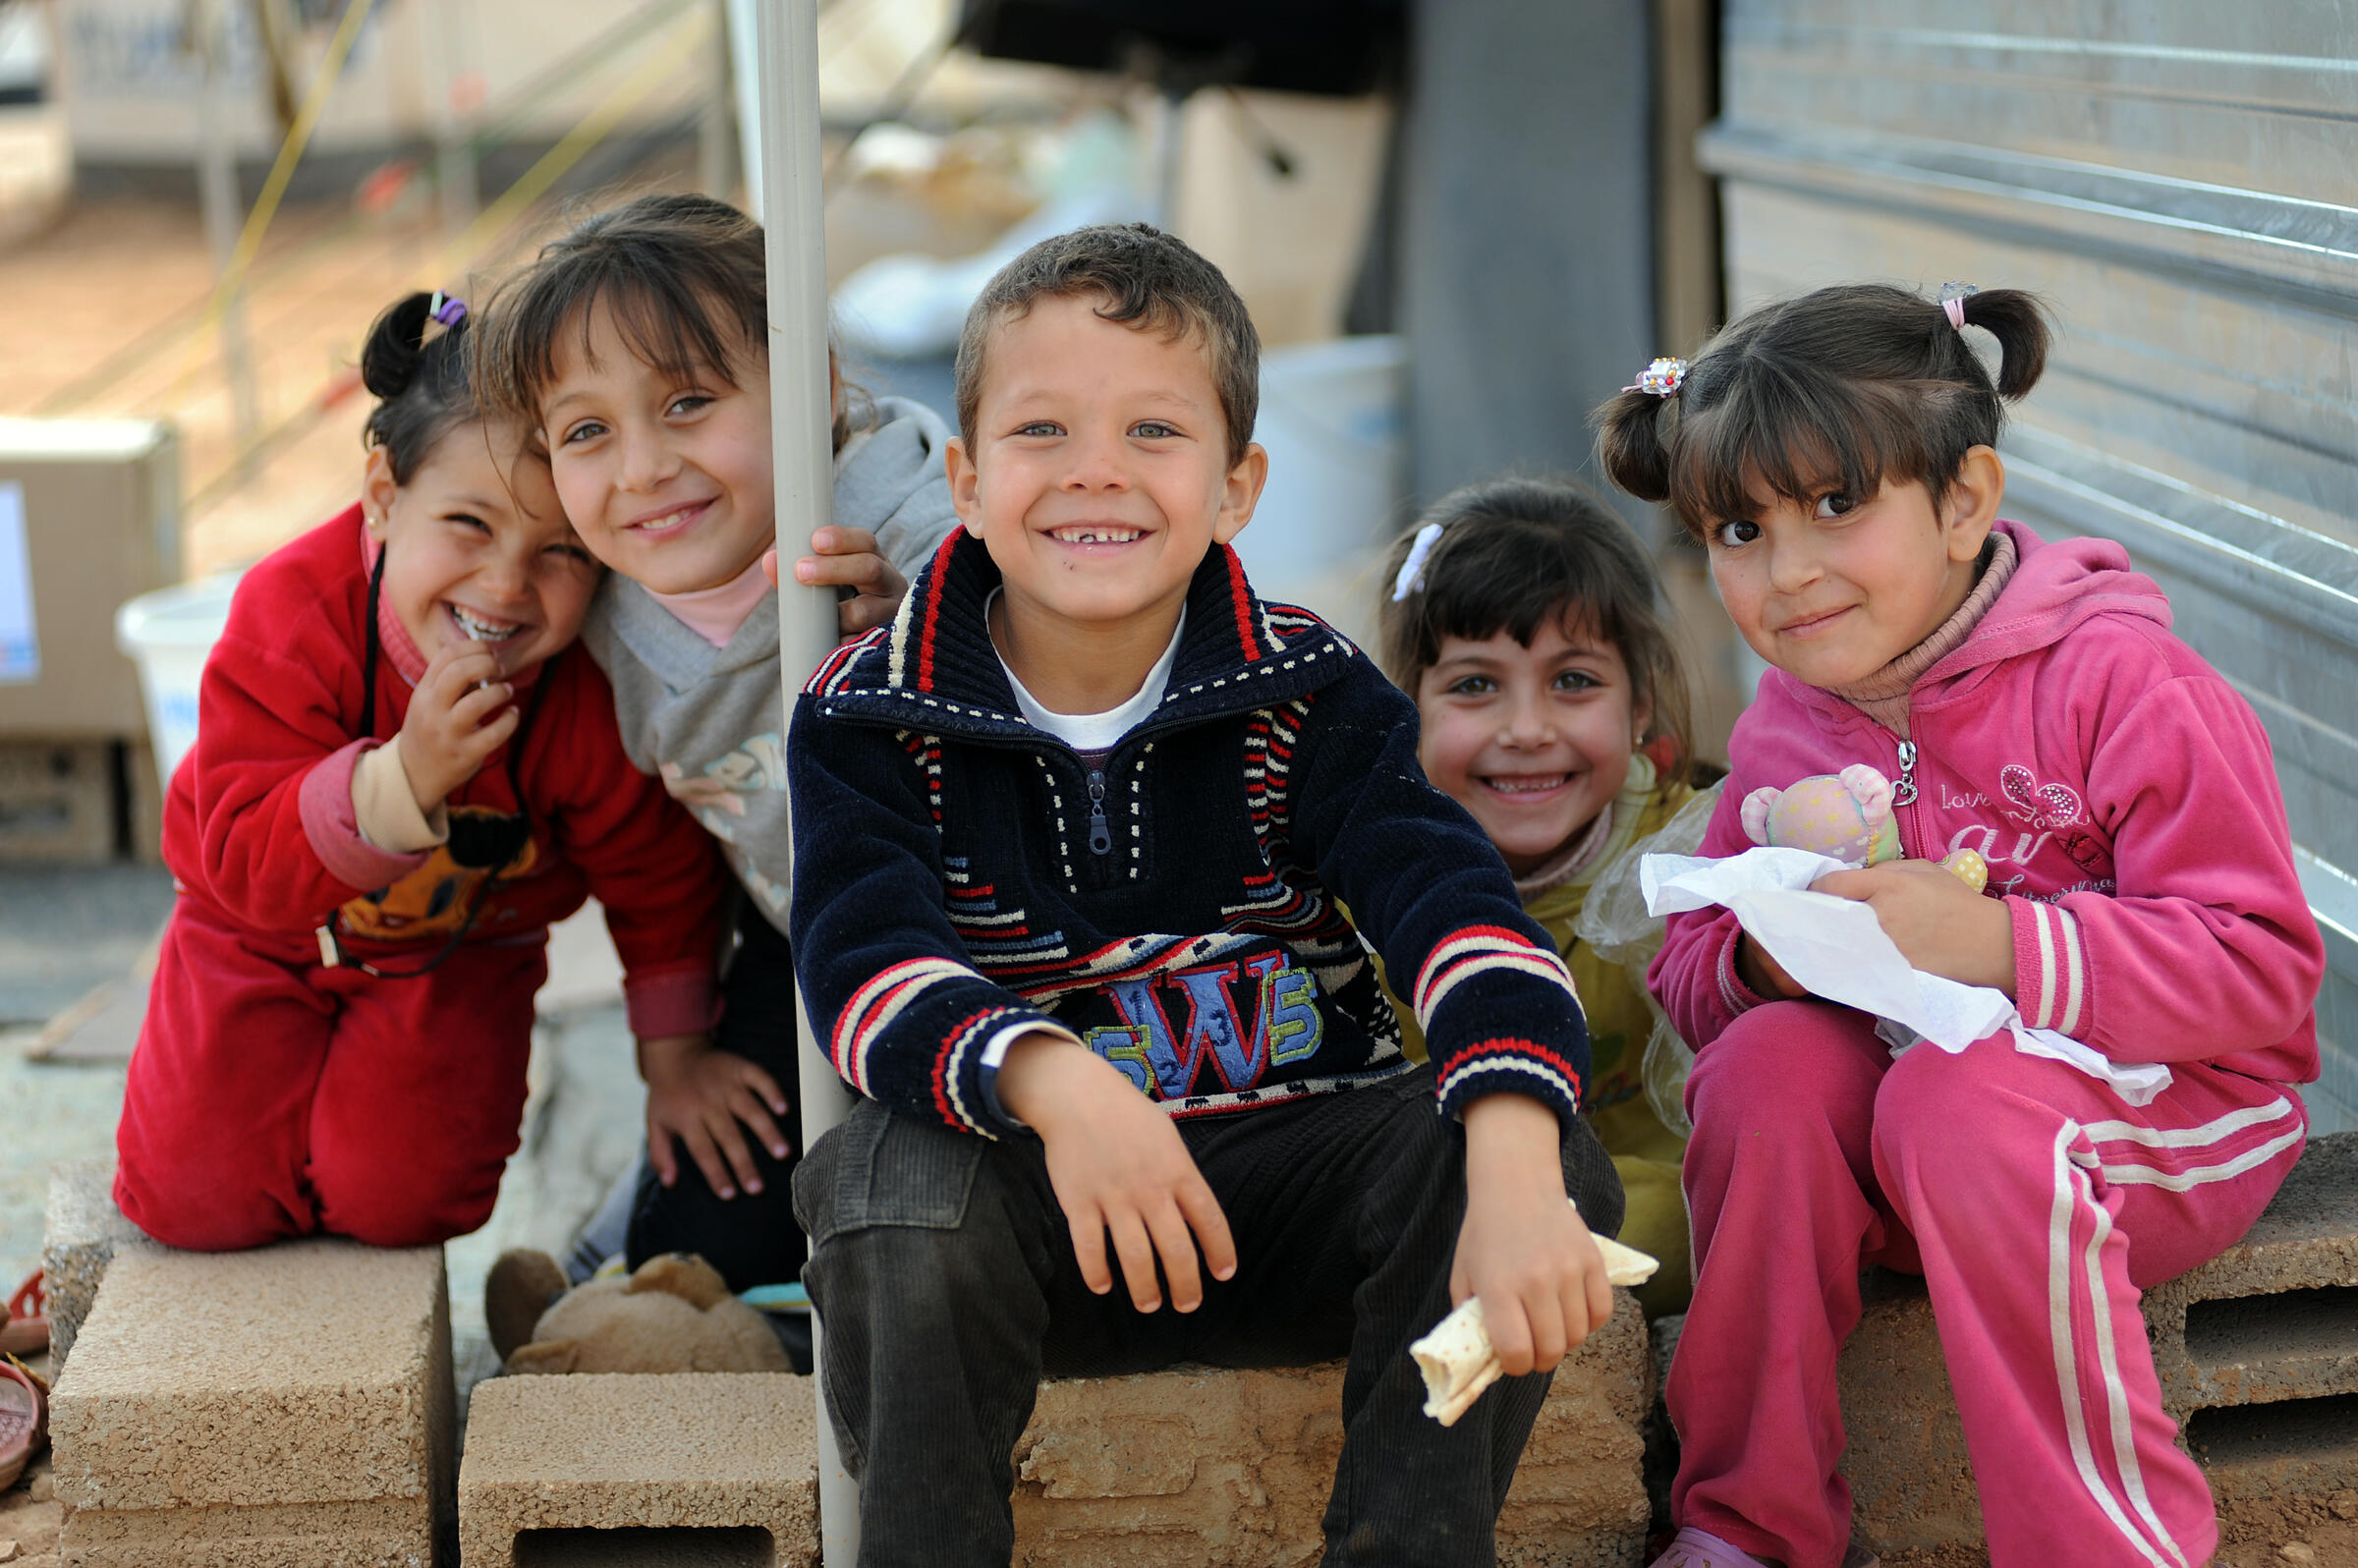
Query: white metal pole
x,y
801,425
714,122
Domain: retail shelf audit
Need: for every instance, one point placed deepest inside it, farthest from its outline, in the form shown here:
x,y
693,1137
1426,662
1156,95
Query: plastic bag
x,y
1614,924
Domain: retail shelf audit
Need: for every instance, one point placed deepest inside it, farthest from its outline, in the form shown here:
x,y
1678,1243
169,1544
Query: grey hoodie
x,y
712,721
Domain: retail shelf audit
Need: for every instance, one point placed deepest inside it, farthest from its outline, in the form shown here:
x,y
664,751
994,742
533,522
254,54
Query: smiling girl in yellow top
x,y
1522,615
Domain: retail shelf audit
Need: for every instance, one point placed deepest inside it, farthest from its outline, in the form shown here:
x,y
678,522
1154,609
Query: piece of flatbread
x,y
1457,1359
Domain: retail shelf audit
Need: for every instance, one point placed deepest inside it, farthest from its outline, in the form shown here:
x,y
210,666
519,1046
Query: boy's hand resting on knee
x,y
455,722
842,558
701,1095
1523,1248
1118,1165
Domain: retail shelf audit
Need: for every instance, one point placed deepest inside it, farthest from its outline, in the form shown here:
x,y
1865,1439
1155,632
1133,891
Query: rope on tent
x,y
266,206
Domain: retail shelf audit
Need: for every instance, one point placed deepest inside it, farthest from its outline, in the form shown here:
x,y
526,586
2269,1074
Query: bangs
x,y
1795,432
1492,574
676,324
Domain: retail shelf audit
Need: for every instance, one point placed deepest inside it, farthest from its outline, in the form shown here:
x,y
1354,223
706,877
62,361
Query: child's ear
x,y
1242,494
966,484
377,490
1971,505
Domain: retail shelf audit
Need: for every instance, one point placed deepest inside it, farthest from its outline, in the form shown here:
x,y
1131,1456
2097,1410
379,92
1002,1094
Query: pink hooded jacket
x,y
2124,795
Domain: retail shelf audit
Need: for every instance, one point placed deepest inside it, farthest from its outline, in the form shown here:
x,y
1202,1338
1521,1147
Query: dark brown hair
x,y
1147,279
683,275
1516,554
1831,391
421,381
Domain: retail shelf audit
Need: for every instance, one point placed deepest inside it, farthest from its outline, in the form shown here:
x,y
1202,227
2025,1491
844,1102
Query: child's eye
x,y
1154,430
468,520
1040,427
1576,680
1727,536
1472,686
689,404
1832,506
570,552
587,429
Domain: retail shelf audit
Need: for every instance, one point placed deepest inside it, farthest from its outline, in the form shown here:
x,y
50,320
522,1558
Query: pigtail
x,y
2018,319
396,345
1631,443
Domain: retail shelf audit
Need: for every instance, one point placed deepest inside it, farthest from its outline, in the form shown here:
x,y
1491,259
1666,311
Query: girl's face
x,y
1533,741
667,478
1833,590
477,550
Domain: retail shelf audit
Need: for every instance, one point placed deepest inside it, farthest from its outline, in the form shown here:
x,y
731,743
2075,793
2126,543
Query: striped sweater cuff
x,y
2051,984
1734,995
1508,1066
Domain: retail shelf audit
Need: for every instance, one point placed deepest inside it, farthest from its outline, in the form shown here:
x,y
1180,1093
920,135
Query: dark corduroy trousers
x,y
944,1273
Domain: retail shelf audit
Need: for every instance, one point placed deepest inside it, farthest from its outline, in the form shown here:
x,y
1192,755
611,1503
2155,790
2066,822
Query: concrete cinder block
x,y
2275,1316
82,1230
1201,1465
687,1450
1911,1485
295,1401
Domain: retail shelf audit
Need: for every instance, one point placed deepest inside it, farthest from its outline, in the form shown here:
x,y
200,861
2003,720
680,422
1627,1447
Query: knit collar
x,y
1606,836
1883,696
935,662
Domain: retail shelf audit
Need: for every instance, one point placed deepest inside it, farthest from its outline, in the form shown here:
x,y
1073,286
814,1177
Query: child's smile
x,y
1833,590
477,550
667,477
1098,478
1534,742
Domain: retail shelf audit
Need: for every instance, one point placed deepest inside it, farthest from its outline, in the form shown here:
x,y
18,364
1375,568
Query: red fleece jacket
x,y
259,824
2124,796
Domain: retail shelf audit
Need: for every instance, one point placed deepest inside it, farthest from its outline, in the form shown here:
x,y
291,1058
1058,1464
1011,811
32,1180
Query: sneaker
x,y
1696,1548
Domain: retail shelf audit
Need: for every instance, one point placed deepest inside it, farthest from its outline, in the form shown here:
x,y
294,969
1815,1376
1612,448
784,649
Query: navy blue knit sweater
x,y
1180,911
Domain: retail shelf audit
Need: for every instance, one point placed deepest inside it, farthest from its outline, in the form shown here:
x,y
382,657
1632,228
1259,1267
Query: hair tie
x,y
446,308
1952,302
1661,379
1412,570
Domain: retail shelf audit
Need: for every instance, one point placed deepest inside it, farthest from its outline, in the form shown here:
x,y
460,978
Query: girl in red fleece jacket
x,y
402,774
1835,455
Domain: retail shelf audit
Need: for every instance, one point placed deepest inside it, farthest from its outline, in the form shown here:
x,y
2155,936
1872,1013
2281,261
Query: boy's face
x,y
667,478
477,548
1100,474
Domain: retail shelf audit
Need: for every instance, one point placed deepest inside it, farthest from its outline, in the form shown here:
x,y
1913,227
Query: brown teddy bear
x,y
674,1314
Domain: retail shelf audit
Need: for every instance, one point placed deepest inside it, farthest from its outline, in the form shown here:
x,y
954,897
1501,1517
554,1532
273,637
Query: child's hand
x,y
1938,923
700,1095
455,722
1762,975
843,558
1524,1250
1117,1164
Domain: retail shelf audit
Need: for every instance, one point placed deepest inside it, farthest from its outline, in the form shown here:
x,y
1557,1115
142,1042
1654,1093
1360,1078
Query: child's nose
x,y
1529,723
645,461
1792,565
1096,464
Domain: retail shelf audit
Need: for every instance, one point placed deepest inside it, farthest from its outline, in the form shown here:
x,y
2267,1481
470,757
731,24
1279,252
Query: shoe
x,y
521,1285
24,1322
1696,1548
23,1419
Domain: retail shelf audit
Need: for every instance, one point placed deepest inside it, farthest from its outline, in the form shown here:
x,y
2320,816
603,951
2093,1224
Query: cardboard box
x,y
89,516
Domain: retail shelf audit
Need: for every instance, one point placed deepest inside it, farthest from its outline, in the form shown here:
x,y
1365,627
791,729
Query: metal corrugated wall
x,y
2180,179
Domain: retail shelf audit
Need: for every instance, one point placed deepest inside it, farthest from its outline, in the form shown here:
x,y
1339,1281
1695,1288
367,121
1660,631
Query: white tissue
x,y
1834,948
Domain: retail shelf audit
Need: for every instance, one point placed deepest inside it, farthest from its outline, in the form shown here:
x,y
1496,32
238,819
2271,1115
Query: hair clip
x,y
1661,379
446,308
1412,570
1952,301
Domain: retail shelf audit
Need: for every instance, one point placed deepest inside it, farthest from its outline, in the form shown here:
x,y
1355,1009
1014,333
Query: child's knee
x,y
1944,1116
1776,1055
920,1185
412,1201
201,1212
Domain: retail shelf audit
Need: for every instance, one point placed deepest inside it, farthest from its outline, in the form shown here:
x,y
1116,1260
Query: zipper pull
x,y
1100,832
1903,793
329,956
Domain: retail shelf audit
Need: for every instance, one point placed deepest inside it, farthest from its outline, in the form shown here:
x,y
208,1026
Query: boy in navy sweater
x,y
1074,838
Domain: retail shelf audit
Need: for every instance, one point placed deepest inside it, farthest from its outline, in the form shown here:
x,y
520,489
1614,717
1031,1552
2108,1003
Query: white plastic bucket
x,y
168,634
1333,419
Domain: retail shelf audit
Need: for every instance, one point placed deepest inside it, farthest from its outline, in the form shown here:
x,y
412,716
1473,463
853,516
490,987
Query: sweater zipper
x,y
1903,792
1100,832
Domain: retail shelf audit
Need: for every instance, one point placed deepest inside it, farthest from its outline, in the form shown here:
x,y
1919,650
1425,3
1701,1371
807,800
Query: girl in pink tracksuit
x,y
1833,453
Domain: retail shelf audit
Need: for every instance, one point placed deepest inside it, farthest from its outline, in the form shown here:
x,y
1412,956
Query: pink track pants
x,y
2036,1202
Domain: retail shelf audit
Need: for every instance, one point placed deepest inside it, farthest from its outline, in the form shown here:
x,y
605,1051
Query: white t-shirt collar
x,y
1096,732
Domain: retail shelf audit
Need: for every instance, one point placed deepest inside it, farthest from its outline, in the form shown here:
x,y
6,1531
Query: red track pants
x,y
271,1098
2036,1202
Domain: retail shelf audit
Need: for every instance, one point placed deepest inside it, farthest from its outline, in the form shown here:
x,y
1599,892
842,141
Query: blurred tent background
x,y
1460,224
